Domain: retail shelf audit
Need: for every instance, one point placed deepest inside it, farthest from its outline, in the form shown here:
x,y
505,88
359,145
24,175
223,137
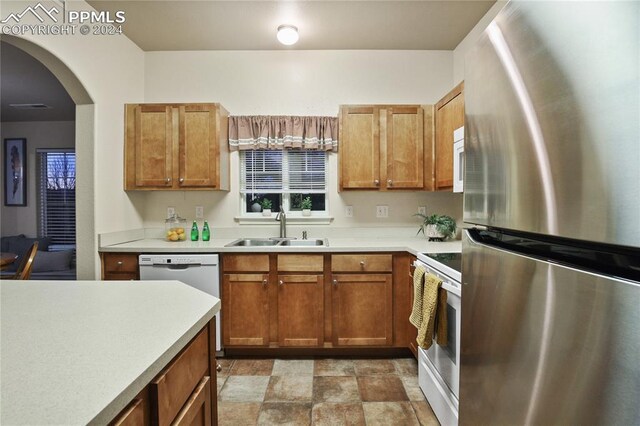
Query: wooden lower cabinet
x,y
133,415
300,310
245,309
197,410
119,266
182,393
362,309
412,330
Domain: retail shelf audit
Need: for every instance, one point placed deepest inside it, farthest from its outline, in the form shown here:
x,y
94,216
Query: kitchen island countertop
x,y
77,352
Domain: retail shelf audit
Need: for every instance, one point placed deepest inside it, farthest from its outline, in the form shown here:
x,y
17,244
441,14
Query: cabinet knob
x,y
281,282
167,180
389,182
376,182
120,263
362,263
181,180
264,282
335,282
218,368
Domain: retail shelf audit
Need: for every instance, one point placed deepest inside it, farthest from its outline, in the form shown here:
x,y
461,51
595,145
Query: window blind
x,y
57,196
265,171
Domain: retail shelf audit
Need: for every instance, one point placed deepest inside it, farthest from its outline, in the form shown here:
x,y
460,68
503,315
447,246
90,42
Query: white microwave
x,y
458,159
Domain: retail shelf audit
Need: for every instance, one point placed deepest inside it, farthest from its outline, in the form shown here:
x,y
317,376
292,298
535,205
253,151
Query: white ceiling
x,y
24,80
251,25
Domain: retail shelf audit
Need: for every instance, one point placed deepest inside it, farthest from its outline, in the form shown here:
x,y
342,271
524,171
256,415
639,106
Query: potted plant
x,y
255,205
306,206
266,207
437,227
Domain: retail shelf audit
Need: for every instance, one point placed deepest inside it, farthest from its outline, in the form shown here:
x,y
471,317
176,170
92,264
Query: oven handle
x,y
446,284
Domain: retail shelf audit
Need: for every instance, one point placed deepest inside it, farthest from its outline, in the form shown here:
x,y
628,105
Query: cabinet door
x,y
300,310
197,409
362,310
119,266
198,146
359,152
449,116
153,146
405,148
245,309
413,331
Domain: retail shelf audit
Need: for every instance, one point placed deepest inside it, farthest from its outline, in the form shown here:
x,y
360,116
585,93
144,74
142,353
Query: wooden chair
x,y
24,270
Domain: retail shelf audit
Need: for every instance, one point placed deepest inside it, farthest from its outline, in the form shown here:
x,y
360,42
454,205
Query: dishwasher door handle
x,y
176,265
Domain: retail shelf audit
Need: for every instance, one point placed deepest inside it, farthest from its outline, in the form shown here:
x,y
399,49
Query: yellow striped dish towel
x,y
429,305
416,312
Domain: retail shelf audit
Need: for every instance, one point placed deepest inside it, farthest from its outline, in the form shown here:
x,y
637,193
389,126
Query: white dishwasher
x,y
197,270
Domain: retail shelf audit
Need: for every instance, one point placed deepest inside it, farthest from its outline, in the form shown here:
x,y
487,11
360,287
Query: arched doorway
x,y
86,244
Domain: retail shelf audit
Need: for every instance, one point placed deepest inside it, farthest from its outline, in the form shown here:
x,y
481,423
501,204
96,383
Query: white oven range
x,y
439,366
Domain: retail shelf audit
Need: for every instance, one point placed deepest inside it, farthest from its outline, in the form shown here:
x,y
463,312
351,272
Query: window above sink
x,y
285,178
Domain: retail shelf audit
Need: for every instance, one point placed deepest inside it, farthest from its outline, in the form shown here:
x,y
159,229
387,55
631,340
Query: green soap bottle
x,y
206,234
194,231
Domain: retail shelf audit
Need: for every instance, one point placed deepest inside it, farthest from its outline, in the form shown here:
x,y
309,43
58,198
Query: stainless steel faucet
x,y
282,218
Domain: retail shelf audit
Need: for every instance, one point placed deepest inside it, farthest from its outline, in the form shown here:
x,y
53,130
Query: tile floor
x,y
321,392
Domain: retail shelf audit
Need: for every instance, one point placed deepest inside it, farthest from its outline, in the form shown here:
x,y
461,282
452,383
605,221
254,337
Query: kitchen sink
x,y
304,243
253,242
274,242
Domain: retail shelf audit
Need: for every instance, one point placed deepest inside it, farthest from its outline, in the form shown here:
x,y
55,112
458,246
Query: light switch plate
x,y
171,211
422,210
348,211
382,211
199,212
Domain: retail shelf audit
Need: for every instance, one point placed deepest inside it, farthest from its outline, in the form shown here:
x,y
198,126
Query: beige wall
x,y
298,83
39,134
468,42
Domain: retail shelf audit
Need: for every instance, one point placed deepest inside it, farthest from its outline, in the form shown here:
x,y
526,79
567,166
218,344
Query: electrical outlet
x,y
171,211
382,211
422,210
199,212
348,211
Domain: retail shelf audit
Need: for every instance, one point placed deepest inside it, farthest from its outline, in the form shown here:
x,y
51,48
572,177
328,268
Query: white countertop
x,y
77,352
413,245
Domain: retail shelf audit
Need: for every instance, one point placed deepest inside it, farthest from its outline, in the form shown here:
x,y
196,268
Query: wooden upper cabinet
x,y
382,147
176,147
405,148
449,116
196,146
359,147
153,128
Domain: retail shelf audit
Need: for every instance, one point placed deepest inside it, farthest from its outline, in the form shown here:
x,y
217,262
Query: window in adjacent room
x,y
57,197
285,177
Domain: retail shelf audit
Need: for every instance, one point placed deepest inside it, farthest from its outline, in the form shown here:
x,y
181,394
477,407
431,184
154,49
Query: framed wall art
x,y
15,175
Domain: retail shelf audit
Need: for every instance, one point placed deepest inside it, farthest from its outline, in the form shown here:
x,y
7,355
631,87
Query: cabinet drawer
x,y
121,276
197,410
171,389
118,262
133,415
246,263
361,263
300,263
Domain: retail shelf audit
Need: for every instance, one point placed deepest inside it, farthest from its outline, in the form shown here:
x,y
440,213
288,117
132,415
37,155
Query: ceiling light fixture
x,y
287,34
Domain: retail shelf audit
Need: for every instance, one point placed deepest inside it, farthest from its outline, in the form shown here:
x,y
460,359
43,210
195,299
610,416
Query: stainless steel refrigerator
x,y
551,246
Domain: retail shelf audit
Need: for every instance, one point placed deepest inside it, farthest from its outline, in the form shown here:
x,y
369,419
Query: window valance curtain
x,y
283,132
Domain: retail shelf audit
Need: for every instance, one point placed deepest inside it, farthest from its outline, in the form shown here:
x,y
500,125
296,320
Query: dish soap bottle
x,y
206,234
194,231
